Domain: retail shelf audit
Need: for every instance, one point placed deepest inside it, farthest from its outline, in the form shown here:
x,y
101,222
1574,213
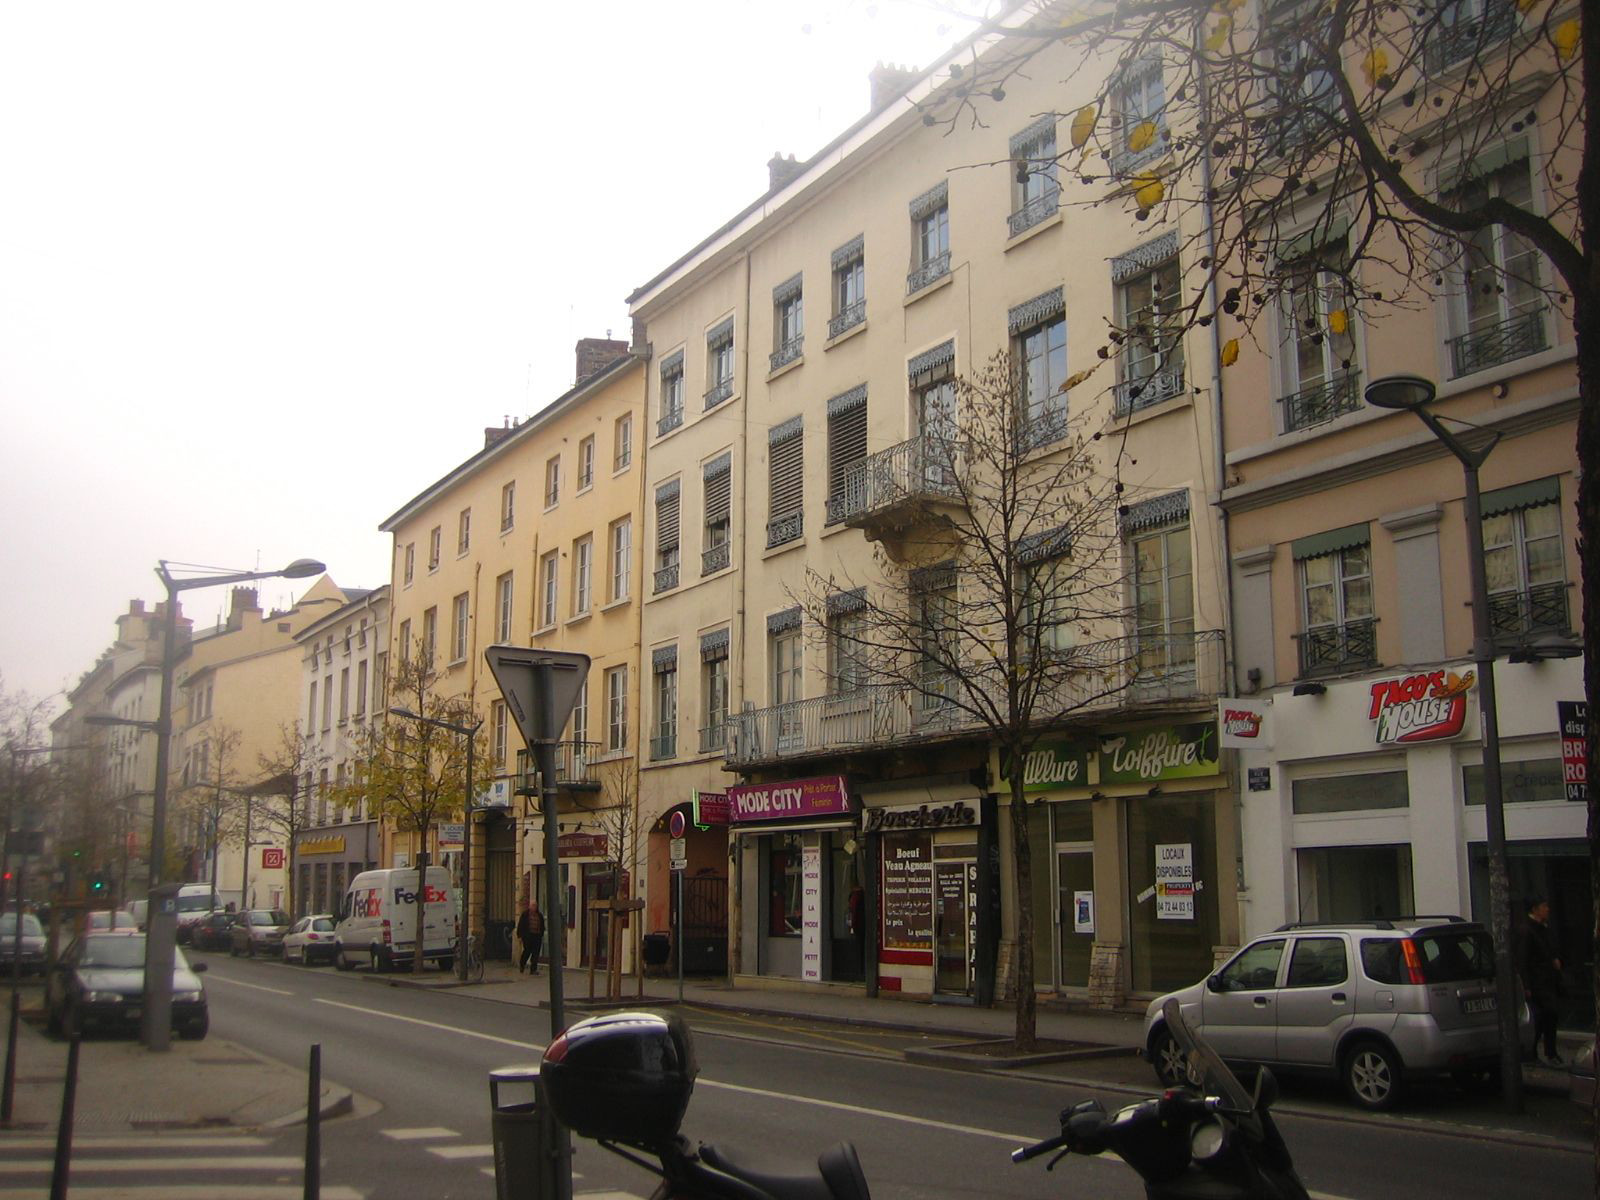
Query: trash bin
x,y
522,1136
657,949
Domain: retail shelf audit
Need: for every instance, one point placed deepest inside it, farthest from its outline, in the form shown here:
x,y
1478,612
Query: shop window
x,y
784,873
1350,793
1527,782
1354,883
1172,931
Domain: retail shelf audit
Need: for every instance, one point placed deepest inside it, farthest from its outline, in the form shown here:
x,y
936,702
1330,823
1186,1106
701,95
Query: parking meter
x,y
161,939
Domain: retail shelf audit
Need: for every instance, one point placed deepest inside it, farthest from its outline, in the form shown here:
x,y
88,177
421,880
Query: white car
x,y
310,940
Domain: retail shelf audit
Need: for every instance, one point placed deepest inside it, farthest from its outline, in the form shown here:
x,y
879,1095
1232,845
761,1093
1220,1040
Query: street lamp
x,y
1412,393
468,733
161,934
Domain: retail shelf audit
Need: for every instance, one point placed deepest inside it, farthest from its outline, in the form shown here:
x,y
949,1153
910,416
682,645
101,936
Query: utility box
x,y
657,949
530,1155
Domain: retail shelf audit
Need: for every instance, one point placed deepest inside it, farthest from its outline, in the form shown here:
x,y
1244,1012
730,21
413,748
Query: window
x,y
344,694
380,682
939,632
1336,600
849,286
311,709
361,689
617,709
1039,342
1466,28
621,541
713,690
719,363
508,506
667,536
1151,362
411,562
1163,599
430,631
622,443
582,574
552,482
1255,969
464,531
1350,793
671,394
1317,962
930,238
580,717
717,477
786,876
1304,93
664,738
847,445
1049,597
458,628
785,482
933,395
1140,101
497,735
503,599
327,702
1525,560
435,541
586,463
788,323
1318,348
405,639
847,630
783,653
1354,883
548,565
1035,192
1496,312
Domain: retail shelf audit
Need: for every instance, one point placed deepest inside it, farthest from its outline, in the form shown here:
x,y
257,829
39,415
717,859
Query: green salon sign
x,y
1165,752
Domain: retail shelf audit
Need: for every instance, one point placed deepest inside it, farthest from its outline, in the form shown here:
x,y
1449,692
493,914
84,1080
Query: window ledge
x,y
859,327
787,548
588,487
544,629
1033,231
1161,408
793,363
615,471
579,618
552,507
938,284
452,664
614,604
836,528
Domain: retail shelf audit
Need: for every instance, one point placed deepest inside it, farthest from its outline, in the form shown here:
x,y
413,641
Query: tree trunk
x,y
421,906
1027,1002
1584,313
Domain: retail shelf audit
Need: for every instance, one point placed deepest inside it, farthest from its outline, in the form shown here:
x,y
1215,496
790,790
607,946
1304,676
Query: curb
x,y
959,1056
337,1101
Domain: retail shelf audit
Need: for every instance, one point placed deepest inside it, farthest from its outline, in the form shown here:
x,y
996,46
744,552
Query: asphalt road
x,y
421,1060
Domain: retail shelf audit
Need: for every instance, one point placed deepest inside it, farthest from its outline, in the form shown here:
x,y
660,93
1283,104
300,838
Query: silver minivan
x,y
1372,1002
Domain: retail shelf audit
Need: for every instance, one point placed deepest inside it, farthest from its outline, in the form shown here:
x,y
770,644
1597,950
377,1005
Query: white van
x,y
195,900
376,920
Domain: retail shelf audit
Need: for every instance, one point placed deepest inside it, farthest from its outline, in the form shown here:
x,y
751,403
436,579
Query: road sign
x,y
680,854
517,669
676,824
272,859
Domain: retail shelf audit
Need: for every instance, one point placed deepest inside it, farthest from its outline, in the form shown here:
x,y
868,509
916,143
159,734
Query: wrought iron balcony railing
x,y
1542,609
847,318
1328,649
1130,395
786,353
922,467
669,421
713,737
1518,337
1465,28
663,745
667,578
934,269
718,392
1322,402
786,528
1041,208
575,764
714,558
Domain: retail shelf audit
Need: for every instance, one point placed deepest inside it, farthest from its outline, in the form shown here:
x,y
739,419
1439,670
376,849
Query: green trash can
x,y
522,1158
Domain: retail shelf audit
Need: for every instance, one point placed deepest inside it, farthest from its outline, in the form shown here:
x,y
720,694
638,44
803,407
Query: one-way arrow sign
x,y
518,669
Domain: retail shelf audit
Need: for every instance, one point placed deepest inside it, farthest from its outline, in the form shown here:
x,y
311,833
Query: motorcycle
x,y
624,1081
1211,1140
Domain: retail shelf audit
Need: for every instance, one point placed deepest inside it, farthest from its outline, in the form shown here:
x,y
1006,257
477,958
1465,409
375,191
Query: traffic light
x,y
97,885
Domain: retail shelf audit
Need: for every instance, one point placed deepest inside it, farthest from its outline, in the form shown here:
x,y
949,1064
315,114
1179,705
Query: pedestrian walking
x,y
1539,965
530,932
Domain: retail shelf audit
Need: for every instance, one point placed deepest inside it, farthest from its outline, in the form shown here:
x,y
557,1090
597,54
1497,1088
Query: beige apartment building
x,y
533,541
344,662
236,694
800,358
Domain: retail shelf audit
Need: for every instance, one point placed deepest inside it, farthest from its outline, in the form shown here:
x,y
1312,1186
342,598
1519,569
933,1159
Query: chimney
x,y
491,435
596,353
781,170
889,82
244,601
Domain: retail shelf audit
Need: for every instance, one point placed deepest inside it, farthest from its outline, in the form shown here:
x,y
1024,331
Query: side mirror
x,y
1266,1090
1214,984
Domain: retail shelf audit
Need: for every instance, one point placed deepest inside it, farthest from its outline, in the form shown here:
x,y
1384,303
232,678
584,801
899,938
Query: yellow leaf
x,y
1219,33
1074,380
1143,134
1375,65
1148,190
1230,352
1526,5
1566,38
1083,125
1338,320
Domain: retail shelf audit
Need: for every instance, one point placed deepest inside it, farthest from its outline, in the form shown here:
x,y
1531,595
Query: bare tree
x,y
614,813
211,799
999,612
281,803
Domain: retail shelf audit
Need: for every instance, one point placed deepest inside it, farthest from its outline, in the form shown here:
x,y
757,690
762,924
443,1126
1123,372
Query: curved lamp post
x,y
1413,394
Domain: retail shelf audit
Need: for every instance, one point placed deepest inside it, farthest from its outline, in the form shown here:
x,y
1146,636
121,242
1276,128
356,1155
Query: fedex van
x,y
376,922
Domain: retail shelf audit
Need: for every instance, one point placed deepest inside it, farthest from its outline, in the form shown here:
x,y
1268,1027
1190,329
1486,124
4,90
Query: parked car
x,y
377,921
31,951
1372,1002
109,920
214,931
258,931
195,902
138,910
99,984
1580,1085
310,940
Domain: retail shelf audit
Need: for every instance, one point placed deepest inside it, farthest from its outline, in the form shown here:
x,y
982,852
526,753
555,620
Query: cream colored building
x,y
533,541
801,352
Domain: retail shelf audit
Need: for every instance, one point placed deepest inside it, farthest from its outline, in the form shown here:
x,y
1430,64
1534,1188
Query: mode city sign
x,y
790,800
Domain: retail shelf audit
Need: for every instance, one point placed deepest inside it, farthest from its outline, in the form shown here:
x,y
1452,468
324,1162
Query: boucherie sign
x,y
1426,707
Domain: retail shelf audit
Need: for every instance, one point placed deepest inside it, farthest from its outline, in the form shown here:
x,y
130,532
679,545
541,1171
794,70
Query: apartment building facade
x,y
533,541
804,359
344,663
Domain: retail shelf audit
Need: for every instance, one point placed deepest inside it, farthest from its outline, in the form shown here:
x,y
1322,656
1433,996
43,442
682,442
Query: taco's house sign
x,y
1427,707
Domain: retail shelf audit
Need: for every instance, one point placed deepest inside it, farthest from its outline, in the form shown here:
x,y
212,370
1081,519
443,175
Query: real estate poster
x,y
1175,881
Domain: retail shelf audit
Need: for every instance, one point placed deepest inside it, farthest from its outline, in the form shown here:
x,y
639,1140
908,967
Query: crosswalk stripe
x,y
82,1165
109,1142
198,1191
412,1135
462,1151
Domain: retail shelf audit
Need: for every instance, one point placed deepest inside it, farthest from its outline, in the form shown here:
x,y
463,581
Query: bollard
x,y
313,1175
69,1098
531,1159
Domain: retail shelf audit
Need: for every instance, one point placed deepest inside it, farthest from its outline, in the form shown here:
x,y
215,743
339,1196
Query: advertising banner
x,y
710,808
811,913
1244,724
1429,706
1175,881
1574,718
1166,752
908,893
792,799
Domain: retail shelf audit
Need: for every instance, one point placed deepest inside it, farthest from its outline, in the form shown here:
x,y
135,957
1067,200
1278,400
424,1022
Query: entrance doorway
x,y
954,913
1075,911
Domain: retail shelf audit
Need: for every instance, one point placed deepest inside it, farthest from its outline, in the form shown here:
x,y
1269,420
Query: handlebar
x,y
1023,1153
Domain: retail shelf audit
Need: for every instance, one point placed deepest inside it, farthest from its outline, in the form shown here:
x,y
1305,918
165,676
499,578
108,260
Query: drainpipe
x,y
737,651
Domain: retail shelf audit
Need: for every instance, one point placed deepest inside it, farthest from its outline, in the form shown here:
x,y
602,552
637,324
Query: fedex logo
x,y
368,902
430,895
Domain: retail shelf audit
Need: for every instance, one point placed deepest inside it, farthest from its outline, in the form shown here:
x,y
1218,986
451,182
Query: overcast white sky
x,y
267,270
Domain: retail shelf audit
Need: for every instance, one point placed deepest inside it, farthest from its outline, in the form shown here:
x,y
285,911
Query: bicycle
x,y
472,961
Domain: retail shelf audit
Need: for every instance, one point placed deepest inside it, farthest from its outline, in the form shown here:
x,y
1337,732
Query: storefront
x,y
1129,832
326,860
1364,800
801,880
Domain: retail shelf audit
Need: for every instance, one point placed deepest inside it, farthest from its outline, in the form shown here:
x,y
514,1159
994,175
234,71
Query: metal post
x,y
69,1095
9,1091
465,930
244,875
313,1173
679,874
156,1032
545,754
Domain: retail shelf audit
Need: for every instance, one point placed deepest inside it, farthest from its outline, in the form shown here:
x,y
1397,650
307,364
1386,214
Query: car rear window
x,y
323,925
1456,957
1383,960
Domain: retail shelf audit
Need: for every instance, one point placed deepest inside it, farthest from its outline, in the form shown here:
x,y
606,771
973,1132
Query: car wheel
x,y
341,962
1168,1058
380,962
1372,1076
52,1021
197,1031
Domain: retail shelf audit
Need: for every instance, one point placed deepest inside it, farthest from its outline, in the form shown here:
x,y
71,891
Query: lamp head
x,y
302,568
1404,393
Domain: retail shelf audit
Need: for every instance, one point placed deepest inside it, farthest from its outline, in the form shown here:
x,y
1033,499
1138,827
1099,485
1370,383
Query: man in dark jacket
x,y
1540,967
530,932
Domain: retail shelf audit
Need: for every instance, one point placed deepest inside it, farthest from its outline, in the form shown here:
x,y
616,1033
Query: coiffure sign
x,y
1426,707
793,799
919,816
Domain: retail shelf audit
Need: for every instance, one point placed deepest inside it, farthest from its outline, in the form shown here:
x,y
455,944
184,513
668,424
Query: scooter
x,y
1211,1140
624,1080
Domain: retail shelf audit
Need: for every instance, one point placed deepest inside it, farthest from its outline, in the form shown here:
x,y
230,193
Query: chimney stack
x,y
889,82
243,601
594,354
781,170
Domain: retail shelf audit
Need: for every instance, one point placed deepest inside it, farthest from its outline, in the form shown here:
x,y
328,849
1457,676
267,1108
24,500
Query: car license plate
x,y
1478,1004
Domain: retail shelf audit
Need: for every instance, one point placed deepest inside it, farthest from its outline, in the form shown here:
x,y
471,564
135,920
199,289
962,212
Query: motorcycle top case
x,y
622,1077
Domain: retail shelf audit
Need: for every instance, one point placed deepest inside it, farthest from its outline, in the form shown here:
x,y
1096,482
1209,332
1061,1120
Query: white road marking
x,y
462,1151
1016,1139
482,1037
411,1135
94,1165
240,983
186,1191
111,1142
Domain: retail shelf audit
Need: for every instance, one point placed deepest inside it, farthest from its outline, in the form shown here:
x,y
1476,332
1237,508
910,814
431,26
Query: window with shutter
x,y
667,536
847,444
718,479
786,485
